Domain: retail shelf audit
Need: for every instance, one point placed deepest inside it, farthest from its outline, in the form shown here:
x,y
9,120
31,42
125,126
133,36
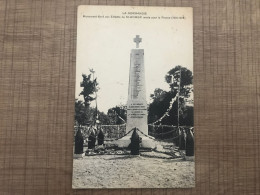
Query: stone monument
x,y
136,103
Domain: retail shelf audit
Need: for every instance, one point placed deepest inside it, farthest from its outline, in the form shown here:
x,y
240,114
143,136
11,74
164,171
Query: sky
x,y
105,38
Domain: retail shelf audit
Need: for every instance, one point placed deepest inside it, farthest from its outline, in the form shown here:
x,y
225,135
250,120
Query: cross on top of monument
x,y
137,40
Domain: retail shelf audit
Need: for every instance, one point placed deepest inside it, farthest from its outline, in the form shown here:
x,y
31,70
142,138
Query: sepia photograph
x,y
134,124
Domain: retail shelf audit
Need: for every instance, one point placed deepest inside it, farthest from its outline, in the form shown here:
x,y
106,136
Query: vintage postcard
x,y
134,98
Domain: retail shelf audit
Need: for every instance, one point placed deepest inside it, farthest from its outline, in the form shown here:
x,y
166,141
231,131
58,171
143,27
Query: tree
x,y
160,104
181,77
82,114
117,115
161,99
173,76
158,94
103,118
89,88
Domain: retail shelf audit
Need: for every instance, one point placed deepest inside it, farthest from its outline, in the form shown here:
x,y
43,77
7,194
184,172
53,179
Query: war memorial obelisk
x,y
136,103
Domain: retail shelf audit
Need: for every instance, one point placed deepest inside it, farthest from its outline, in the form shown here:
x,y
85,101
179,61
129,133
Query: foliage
x,y
82,114
103,118
160,104
117,115
186,77
161,99
89,88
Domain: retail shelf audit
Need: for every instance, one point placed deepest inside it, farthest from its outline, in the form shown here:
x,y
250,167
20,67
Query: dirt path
x,y
125,171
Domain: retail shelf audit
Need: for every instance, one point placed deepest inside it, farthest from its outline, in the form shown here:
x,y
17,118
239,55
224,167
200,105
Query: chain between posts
x,y
115,138
165,132
144,135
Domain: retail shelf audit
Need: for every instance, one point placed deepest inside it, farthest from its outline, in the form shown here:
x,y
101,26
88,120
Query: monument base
x,y
146,142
